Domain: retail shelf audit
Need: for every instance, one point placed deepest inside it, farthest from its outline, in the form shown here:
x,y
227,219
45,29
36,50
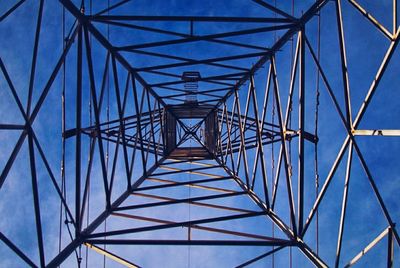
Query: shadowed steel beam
x,y
390,251
231,76
175,225
192,18
12,127
229,124
189,171
97,116
85,199
178,201
302,108
274,9
288,108
189,61
13,90
17,251
34,57
11,10
111,7
153,132
139,128
204,61
121,112
242,148
199,227
187,242
193,183
161,31
78,143
208,37
195,203
36,199
283,144
260,146
261,256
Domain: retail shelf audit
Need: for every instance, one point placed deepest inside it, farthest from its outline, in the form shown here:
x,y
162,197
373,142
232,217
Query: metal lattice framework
x,y
199,131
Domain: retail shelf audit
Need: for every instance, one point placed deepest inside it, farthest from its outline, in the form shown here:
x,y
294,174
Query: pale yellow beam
x,y
111,256
372,19
367,248
377,132
194,163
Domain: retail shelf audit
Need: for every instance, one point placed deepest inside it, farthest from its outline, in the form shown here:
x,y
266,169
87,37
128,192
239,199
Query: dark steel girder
x,y
191,18
190,242
209,37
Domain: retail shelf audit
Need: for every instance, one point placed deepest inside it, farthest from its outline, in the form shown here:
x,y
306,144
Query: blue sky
x,y
365,48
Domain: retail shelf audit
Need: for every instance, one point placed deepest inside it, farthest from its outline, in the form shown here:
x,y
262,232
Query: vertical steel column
x,y
229,145
300,195
34,57
288,112
260,149
152,133
390,248
36,201
96,109
344,206
242,142
138,126
345,75
78,143
219,142
282,129
394,17
121,112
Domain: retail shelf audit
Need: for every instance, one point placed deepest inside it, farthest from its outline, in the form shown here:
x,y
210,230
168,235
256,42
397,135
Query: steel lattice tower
x,y
199,133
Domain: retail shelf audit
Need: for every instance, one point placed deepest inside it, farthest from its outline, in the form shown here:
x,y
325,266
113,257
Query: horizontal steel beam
x,y
111,256
175,184
376,132
178,201
189,242
191,18
175,225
